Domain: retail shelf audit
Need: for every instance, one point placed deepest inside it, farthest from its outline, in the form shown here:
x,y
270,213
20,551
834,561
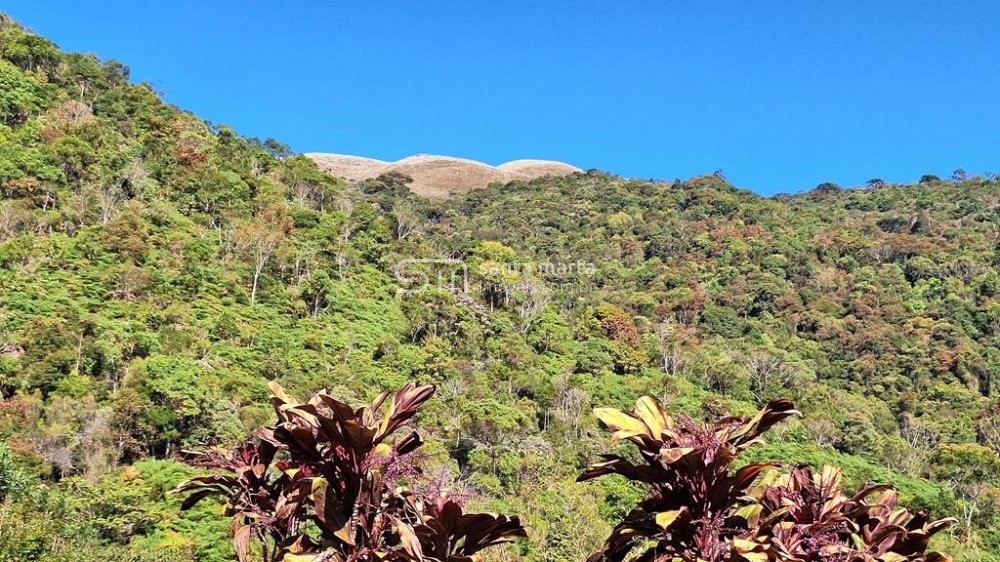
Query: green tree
x,y
974,473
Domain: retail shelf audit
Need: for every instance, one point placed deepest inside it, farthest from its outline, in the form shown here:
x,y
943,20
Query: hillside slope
x,y
157,271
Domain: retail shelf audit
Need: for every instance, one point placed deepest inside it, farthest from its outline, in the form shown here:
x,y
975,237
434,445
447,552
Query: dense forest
x,y
157,272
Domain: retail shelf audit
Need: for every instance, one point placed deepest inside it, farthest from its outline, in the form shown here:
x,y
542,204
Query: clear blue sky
x,y
781,95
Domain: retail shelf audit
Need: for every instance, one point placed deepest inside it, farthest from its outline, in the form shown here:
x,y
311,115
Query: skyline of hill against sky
x,y
781,97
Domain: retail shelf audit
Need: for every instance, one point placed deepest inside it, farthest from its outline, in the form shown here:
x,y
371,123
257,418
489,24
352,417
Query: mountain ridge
x,y
437,176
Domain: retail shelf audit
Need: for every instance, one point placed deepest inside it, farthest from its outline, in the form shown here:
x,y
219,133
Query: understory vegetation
x,y
158,273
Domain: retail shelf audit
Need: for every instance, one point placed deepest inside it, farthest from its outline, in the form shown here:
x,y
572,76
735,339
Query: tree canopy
x,y
157,272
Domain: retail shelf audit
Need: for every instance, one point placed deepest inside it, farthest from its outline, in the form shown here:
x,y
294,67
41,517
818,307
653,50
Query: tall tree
x,y
258,238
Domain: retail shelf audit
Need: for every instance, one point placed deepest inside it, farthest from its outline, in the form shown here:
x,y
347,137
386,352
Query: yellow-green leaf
x,y
623,425
300,557
344,534
829,477
750,550
751,513
650,412
666,518
278,392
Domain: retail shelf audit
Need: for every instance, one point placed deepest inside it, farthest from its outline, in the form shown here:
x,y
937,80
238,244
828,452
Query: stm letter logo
x,y
417,275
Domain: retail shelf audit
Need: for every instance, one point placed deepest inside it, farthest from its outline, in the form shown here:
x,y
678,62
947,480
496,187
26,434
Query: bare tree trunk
x,y
256,276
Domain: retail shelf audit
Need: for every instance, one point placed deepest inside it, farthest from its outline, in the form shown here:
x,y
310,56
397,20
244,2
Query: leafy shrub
x,y
697,509
325,483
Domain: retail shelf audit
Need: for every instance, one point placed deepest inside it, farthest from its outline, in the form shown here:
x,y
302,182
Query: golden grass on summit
x,y
437,176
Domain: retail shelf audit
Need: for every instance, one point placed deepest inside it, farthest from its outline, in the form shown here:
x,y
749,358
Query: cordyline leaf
x,y
196,497
774,412
378,401
651,413
447,534
751,513
344,534
885,535
306,412
482,530
829,480
889,496
898,517
670,456
857,541
613,464
939,525
297,440
331,515
404,406
340,409
361,438
750,550
286,509
303,557
201,481
408,444
203,487
241,541
319,487
301,545
408,539
666,518
776,515
623,425
747,474
278,395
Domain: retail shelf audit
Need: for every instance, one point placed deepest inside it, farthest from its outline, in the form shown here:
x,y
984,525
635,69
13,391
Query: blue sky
x,y
781,95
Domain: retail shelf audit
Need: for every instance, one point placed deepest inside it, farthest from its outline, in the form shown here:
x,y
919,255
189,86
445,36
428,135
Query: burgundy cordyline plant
x,y
323,485
698,509
808,517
